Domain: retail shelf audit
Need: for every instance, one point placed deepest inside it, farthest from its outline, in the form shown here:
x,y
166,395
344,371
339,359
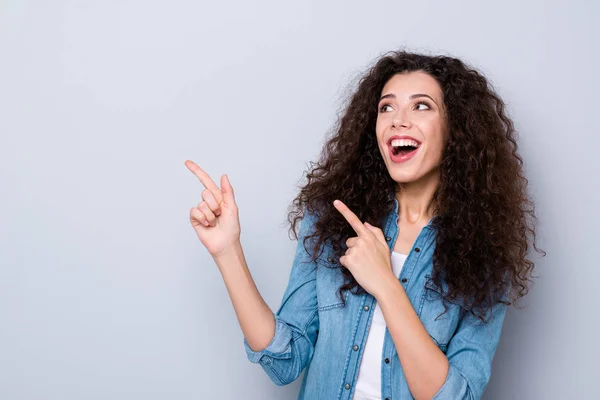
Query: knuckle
x,y
206,209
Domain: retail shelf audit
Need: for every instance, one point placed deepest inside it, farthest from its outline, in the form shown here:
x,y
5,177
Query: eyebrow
x,y
413,96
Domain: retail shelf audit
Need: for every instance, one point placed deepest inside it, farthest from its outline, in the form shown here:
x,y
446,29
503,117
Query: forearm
x,y
424,364
254,315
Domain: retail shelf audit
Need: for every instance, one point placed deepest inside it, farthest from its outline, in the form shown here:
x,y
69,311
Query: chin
x,y
403,178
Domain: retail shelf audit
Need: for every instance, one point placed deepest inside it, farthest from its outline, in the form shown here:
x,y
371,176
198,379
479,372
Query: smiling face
x,y
411,105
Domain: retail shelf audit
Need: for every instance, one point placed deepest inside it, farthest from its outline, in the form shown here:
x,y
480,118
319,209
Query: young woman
x,y
418,224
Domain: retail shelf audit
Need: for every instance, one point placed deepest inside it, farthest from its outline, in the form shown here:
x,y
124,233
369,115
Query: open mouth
x,y
403,149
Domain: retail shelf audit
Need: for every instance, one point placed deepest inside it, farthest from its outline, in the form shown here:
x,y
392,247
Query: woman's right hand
x,y
215,219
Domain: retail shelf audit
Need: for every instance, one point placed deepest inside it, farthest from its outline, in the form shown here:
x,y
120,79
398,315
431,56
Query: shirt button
x,y
387,360
355,348
387,398
404,280
330,259
366,308
388,238
417,249
347,386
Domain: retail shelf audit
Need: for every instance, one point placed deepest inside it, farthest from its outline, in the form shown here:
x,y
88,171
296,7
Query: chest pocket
x,y
329,279
440,325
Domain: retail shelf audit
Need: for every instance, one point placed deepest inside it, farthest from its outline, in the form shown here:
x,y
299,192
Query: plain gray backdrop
x,y
106,291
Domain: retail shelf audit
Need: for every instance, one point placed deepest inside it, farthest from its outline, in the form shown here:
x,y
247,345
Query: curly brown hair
x,y
484,217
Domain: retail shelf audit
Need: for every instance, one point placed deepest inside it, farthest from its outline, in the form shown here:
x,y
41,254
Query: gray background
x,y
105,290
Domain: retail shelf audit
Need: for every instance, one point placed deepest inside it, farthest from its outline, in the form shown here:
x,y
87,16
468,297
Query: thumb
x,y
227,189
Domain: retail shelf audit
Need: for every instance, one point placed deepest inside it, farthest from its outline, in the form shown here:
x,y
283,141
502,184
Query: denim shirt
x,y
317,335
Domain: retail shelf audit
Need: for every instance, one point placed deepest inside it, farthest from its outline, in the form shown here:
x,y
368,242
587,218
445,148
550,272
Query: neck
x,y
415,199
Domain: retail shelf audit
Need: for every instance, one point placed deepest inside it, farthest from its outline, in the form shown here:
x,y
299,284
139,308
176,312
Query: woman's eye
x,y
422,104
418,105
382,108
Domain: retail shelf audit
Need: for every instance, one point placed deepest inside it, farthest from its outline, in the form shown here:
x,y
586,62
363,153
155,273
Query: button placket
x,y
356,347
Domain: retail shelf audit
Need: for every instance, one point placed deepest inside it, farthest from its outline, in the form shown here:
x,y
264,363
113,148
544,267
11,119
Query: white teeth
x,y
404,142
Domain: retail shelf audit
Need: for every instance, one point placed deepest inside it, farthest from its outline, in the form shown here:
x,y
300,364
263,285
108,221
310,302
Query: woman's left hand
x,y
368,255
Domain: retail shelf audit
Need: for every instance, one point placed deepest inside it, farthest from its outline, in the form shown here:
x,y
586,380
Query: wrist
x,y
389,290
231,253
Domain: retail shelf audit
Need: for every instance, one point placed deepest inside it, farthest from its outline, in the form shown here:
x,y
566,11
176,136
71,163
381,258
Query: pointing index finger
x,y
205,179
352,219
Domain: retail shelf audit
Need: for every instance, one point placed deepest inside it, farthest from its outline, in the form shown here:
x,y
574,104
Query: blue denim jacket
x,y
314,333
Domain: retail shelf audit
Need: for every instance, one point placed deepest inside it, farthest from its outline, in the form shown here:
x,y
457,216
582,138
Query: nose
x,y
401,119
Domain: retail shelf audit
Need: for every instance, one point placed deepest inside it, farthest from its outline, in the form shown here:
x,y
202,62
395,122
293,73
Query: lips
x,y
389,141
401,157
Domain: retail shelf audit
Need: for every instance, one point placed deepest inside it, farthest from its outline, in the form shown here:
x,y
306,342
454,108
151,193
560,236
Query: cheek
x,y
436,149
382,123
379,127
379,133
434,134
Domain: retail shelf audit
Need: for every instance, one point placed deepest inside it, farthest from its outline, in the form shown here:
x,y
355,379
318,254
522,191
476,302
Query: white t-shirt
x,y
368,383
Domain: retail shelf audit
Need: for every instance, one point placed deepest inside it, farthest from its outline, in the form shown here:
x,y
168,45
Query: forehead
x,y
405,84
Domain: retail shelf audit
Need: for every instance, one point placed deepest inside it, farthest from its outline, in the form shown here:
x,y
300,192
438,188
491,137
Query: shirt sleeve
x,y
296,320
470,353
